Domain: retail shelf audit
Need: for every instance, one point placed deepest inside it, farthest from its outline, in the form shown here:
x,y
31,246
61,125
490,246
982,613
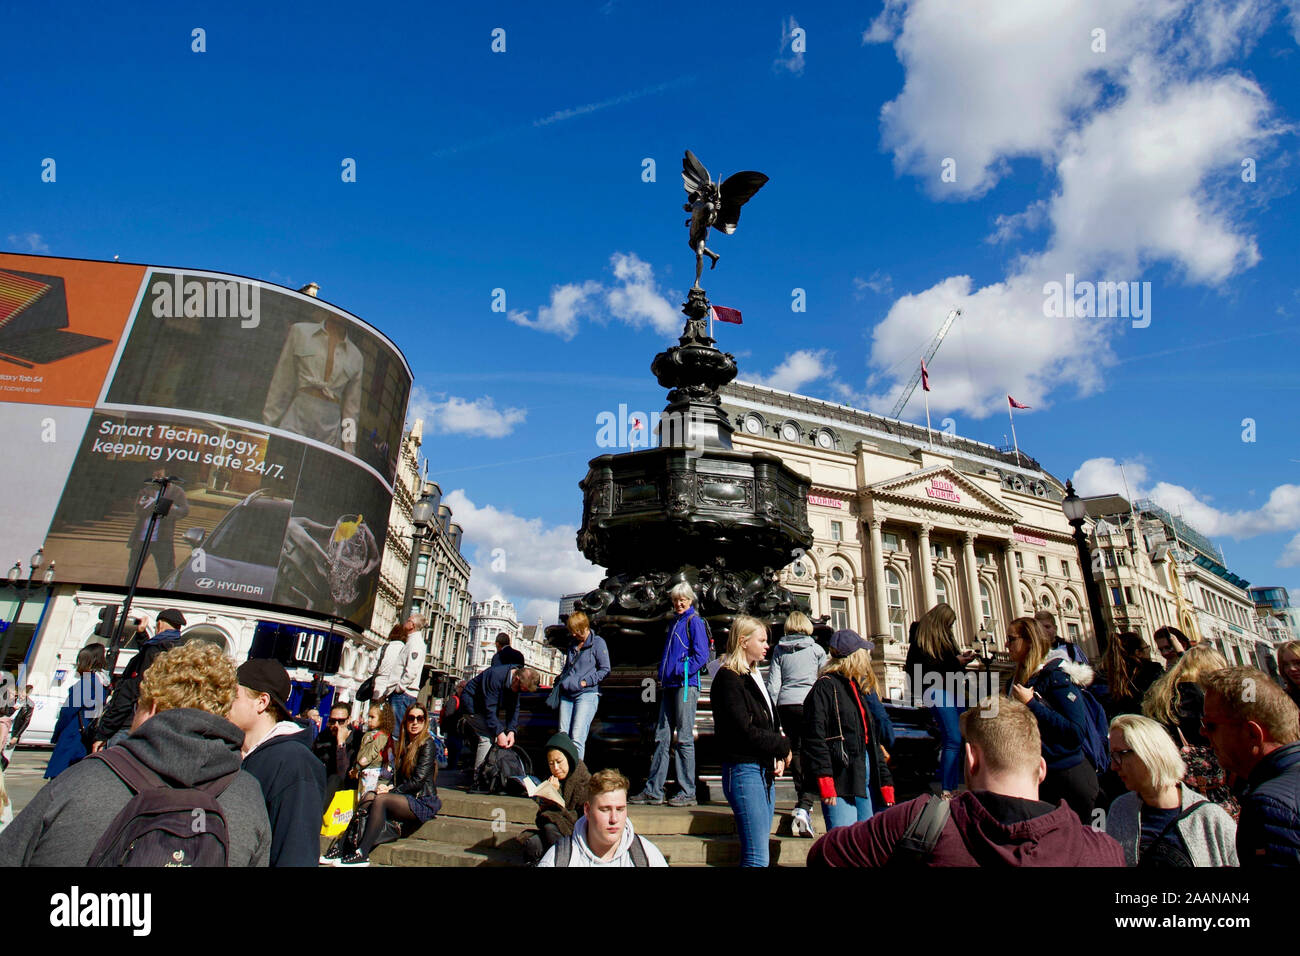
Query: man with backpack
x,y
491,692
116,719
182,757
603,835
998,821
277,751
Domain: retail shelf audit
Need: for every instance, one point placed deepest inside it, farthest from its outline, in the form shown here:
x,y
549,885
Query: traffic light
x,y
107,622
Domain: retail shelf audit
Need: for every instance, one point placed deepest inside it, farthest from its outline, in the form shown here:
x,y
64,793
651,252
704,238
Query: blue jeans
x,y
400,703
848,811
945,718
753,801
678,715
576,717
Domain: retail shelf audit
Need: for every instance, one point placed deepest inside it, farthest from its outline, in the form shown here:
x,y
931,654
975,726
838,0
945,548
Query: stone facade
x,y
900,525
496,615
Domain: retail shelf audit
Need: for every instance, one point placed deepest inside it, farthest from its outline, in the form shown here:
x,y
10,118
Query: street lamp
x,y
422,517
1076,509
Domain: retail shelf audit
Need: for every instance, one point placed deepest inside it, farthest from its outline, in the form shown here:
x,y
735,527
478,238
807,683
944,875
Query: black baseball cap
x,y
173,617
265,676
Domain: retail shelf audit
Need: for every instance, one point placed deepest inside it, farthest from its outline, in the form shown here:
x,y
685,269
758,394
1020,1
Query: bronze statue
x,y
714,205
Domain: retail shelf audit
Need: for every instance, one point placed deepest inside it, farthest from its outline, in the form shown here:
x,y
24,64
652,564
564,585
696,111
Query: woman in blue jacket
x,y
586,664
86,701
1053,689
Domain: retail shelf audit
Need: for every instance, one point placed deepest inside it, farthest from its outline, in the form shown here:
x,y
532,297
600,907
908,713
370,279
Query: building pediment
x,y
944,488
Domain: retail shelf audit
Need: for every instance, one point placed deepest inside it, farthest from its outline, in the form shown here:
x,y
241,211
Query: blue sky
x,y
522,171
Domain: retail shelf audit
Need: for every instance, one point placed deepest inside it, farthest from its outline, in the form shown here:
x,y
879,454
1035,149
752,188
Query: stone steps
x,y
483,830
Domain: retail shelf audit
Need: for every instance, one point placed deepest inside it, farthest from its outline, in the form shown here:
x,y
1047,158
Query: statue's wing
x,y
694,176
736,191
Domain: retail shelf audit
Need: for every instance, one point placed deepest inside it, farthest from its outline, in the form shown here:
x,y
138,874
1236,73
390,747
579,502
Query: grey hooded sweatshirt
x,y
65,820
795,664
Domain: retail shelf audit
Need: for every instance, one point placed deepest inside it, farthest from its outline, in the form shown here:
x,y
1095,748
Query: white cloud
x,y
28,242
634,300
450,415
794,62
1281,512
880,283
798,369
1144,153
527,561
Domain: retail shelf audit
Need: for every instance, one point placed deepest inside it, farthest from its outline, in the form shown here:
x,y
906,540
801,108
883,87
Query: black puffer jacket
x,y
745,729
1269,831
831,711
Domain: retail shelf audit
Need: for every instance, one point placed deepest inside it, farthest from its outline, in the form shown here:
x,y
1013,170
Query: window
x,y
1121,558
799,569
1116,597
1069,604
837,531
986,603
890,541
837,575
894,590
940,590
939,551
1073,631
1065,570
1108,558
421,570
1042,564
1128,595
839,613
437,587
1020,563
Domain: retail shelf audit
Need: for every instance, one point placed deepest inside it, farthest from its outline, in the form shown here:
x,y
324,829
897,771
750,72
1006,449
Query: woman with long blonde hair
x,y
1047,685
747,733
1177,702
848,732
935,666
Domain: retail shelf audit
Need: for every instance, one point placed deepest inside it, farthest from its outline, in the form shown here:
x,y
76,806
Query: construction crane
x,y
929,354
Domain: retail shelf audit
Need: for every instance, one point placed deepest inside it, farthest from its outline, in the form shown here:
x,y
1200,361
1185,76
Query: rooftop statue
x,y
711,204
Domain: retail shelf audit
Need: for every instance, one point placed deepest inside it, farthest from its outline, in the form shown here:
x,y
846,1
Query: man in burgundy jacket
x,y
998,821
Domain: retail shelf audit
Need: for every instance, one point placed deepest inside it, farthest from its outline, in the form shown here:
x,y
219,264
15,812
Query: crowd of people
x,y
1128,763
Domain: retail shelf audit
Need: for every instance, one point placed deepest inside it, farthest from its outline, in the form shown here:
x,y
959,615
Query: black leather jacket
x,y
421,782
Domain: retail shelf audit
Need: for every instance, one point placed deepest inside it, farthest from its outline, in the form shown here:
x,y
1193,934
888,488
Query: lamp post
x,y
24,591
1075,511
422,514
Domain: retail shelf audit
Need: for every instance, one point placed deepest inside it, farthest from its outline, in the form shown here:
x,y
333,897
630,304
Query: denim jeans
x,y
847,811
753,801
945,718
679,715
400,703
576,717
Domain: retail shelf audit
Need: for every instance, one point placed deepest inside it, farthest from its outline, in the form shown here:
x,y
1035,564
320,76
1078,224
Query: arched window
x,y
897,610
208,634
940,590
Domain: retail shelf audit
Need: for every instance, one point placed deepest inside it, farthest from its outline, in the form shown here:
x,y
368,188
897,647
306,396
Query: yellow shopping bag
x,y
339,814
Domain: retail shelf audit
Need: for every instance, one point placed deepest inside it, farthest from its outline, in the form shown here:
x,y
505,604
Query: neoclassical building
x,y
901,524
496,615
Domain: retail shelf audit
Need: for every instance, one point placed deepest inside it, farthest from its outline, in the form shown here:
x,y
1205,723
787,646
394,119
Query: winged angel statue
x,y
714,205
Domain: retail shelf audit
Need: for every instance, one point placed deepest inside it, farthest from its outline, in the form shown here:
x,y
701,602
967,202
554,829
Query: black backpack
x,y
500,764
162,825
922,834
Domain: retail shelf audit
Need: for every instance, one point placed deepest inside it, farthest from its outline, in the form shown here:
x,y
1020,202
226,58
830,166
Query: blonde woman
x,y
847,735
796,664
1047,686
747,734
1177,702
1161,822
935,661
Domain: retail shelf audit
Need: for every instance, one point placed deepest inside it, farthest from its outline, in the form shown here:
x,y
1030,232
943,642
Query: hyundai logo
x,y
204,583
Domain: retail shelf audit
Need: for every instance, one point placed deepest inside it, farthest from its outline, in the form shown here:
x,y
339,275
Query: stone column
x,y
973,587
879,591
1012,578
927,567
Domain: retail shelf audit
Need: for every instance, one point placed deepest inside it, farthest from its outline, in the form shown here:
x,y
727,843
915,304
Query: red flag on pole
x,y
925,377
723,314
1015,404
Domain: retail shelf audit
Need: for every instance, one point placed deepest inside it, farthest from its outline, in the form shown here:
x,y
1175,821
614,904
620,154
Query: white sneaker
x,y
803,825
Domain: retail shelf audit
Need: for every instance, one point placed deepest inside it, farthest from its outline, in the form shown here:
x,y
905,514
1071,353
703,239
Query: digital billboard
x,y
276,418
